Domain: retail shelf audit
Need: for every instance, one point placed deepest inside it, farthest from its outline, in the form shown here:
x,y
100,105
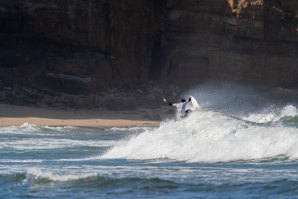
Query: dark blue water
x,y
208,155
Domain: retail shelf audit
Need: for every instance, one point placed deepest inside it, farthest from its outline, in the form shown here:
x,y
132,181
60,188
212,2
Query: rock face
x,y
85,46
252,41
112,39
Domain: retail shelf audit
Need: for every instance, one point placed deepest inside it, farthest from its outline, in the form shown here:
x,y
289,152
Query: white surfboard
x,y
195,104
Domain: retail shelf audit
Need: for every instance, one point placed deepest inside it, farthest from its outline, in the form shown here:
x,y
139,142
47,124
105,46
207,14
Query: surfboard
x,y
195,104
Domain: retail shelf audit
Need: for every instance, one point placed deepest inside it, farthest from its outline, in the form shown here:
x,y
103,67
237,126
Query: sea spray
x,y
272,114
239,100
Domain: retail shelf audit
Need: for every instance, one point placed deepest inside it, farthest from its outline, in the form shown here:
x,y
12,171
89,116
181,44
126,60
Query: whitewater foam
x,y
51,143
28,129
21,161
130,130
272,114
22,129
208,136
38,173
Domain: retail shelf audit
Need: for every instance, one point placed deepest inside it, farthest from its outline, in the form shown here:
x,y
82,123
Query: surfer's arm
x,y
167,102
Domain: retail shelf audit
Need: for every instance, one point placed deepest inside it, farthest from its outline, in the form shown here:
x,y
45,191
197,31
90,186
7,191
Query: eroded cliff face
x,y
93,44
249,41
85,46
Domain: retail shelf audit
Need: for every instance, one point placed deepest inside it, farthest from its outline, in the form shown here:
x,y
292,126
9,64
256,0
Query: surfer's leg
x,y
187,112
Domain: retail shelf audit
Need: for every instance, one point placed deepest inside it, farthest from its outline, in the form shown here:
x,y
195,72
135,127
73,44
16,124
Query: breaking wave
x,y
33,137
210,136
27,128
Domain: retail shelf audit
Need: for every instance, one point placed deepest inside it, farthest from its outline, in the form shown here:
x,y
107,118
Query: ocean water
x,y
210,154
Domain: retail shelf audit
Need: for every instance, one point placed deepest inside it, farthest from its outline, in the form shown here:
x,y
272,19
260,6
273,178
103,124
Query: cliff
x,y
249,41
77,47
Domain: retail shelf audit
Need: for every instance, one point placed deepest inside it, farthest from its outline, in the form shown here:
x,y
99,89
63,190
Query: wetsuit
x,y
181,107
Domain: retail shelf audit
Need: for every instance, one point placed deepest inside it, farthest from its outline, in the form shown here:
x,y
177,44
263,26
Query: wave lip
x,y
208,136
39,176
272,114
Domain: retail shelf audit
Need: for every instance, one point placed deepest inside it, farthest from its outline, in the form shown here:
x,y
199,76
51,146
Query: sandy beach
x,y
11,115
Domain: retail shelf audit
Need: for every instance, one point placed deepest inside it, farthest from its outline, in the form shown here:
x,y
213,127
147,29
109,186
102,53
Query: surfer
x,y
183,106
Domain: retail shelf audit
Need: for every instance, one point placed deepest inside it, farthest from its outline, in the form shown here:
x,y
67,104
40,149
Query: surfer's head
x,y
183,100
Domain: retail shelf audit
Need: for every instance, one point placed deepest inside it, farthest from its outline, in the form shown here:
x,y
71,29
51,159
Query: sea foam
x,y
38,173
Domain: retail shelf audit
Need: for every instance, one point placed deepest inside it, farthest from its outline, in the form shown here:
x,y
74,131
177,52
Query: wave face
x,y
210,136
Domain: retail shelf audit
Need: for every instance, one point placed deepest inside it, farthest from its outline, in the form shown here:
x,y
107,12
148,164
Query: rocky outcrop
x,y
76,47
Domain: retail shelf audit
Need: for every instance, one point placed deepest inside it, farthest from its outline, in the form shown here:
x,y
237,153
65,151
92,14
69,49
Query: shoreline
x,y
92,123
12,115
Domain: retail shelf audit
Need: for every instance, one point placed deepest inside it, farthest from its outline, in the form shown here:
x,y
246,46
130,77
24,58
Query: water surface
x,y
208,155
